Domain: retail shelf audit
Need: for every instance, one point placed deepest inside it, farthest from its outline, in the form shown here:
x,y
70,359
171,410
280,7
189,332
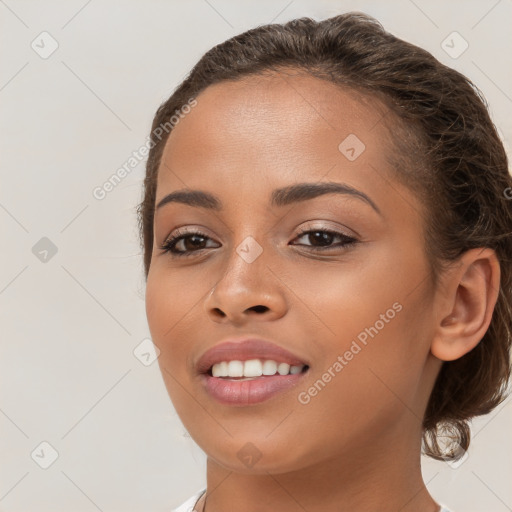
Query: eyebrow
x,y
279,197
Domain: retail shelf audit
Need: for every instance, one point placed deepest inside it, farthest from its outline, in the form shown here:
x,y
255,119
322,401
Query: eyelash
x,y
169,246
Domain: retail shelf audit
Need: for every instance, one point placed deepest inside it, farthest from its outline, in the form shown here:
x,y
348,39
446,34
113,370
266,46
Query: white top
x,y
189,505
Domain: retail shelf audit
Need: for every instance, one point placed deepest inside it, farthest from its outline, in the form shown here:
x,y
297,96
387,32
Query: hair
x,y
451,157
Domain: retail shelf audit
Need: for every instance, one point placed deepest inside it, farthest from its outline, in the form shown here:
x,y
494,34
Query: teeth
x,y
283,369
253,368
269,367
220,370
236,369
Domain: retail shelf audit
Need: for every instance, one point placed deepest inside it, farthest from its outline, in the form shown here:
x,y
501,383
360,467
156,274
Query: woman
x,y
327,241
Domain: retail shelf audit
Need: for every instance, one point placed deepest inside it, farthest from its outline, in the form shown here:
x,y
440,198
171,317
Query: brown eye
x,y
185,243
322,239
191,242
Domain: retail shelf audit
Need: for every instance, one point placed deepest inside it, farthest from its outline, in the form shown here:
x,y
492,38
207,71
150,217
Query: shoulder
x,y
444,509
188,506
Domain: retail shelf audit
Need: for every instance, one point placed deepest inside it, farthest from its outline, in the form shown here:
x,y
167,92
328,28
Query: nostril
x,y
259,309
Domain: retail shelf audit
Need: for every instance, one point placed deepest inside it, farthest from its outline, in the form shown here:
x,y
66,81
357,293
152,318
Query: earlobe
x,y
466,303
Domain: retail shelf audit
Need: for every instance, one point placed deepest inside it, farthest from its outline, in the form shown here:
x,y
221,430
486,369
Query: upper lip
x,y
242,349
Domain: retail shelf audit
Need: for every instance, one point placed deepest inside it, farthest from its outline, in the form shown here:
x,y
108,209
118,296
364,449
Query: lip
x,y
242,349
247,392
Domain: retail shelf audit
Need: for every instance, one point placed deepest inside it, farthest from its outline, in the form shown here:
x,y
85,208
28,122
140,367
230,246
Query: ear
x,y
465,301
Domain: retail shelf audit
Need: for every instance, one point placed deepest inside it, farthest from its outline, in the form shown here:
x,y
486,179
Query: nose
x,y
246,292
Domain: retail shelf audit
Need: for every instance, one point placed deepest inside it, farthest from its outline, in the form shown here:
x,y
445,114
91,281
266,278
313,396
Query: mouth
x,y
243,372
241,390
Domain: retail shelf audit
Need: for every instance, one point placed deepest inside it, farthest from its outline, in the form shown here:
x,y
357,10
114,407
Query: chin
x,y
257,458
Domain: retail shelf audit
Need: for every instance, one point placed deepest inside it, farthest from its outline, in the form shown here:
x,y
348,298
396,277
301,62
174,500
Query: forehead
x,y
276,128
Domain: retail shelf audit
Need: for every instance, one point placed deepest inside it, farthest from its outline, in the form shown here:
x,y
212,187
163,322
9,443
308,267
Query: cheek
x,y
353,297
169,307
158,302
383,346
170,297
376,317
374,386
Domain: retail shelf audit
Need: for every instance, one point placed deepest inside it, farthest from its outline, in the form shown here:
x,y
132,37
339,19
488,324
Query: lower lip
x,y
248,392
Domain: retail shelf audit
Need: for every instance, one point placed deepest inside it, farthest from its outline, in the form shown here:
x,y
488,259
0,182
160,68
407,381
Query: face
x,y
339,279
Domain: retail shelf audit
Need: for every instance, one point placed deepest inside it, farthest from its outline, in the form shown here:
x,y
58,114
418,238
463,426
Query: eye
x,y
322,239
184,243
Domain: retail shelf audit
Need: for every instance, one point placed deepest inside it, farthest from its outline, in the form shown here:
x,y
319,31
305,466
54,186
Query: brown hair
x,y
455,162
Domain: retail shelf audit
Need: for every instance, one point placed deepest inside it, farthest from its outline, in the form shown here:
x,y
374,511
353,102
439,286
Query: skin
x,y
356,444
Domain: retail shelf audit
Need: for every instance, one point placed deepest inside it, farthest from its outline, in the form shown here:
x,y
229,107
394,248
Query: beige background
x,y
70,323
